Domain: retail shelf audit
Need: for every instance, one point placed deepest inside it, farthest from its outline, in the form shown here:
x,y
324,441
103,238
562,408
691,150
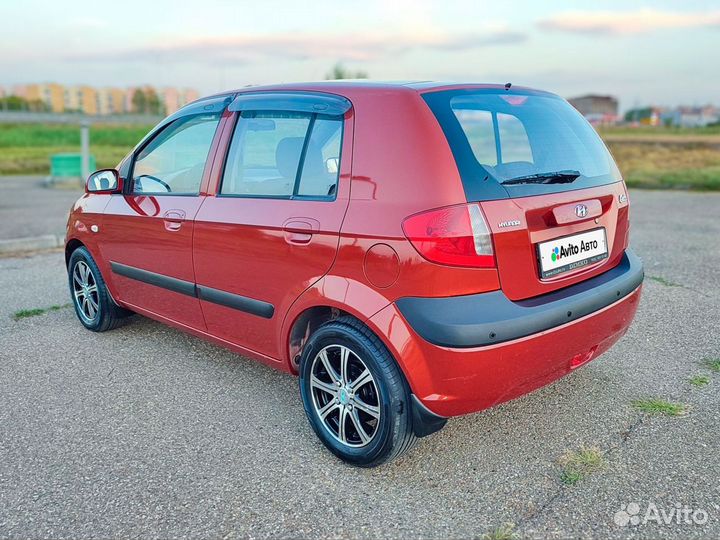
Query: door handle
x,y
174,219
298,232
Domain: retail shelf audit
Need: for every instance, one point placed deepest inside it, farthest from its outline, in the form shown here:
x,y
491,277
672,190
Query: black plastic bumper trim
x,y
489,318
188,288
151,278
235,301
425,422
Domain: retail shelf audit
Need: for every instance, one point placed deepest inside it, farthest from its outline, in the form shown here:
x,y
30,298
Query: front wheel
x,y
93,305
355,396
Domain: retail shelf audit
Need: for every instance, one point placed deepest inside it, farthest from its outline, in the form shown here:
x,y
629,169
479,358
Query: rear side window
x,y
480,134
173,162
322,159
508,143
283,155
497,136
513,139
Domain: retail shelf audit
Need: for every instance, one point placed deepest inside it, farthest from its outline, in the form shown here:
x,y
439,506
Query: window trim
x,y
301,162
129,187
303,153
291,101
496,132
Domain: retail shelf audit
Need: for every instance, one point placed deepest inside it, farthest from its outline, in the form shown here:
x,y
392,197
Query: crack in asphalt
x,y
557,494
611,451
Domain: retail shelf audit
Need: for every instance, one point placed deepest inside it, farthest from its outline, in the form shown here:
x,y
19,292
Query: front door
x,y
273,228
148,230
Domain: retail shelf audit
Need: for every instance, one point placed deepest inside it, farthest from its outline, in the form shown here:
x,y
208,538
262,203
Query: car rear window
x,y
499,136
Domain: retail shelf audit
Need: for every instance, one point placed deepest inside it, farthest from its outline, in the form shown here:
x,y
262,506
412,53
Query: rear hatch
x,y
541,244
551,193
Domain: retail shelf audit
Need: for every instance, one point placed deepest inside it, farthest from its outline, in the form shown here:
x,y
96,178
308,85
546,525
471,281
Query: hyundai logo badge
x,y
581,210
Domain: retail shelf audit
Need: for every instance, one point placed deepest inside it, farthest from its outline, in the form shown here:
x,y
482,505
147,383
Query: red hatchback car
x,y
413,251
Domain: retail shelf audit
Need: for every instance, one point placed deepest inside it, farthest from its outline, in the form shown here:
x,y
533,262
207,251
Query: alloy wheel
x,y
345,395
85,292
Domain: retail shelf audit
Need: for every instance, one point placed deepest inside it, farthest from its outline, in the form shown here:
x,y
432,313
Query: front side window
x,y
174,161
283,155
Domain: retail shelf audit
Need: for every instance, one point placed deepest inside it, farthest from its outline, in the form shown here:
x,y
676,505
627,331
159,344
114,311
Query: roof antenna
x,y
507,86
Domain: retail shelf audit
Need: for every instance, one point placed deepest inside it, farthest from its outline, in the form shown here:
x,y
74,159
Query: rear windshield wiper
x,y
557,177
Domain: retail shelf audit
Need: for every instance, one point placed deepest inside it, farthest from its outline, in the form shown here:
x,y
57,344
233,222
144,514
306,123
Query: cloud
x,y
298,46
628,22
88,23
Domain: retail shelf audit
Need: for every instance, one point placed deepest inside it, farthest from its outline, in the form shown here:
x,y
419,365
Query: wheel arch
x,y
330,298
304,325
70,246
423,421
73,244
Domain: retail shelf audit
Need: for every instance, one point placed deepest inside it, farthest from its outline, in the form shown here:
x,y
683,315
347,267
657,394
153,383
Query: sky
x,y
660,52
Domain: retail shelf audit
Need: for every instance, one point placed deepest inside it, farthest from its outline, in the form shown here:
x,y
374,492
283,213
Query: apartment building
x,y
110,101
174,98
692,116
49,93
81,99
99,101
597,109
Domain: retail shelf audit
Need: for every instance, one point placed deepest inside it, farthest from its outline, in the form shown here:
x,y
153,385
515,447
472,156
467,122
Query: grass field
x,y
649,157
654,131
26,148
668,165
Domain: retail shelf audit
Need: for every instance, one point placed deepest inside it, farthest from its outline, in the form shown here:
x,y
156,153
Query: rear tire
x,y
362,411
94,307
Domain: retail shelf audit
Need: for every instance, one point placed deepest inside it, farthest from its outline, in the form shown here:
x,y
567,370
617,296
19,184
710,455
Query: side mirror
x,y
104,181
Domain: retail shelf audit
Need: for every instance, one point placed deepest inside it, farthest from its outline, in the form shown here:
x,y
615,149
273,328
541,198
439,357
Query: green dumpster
x,y
69,165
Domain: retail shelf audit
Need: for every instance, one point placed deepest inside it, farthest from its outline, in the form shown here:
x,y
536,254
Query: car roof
x,y
354,86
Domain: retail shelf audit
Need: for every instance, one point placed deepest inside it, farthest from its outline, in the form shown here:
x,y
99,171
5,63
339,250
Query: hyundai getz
x,y
413,251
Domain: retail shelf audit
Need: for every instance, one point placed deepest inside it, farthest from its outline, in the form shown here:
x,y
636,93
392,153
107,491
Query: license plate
x,y
571,252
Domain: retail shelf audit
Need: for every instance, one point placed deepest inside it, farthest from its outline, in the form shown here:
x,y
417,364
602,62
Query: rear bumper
x,y
453,380
488,318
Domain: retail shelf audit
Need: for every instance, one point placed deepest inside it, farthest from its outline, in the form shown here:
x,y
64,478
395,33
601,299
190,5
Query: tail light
x,y
454,235
623,199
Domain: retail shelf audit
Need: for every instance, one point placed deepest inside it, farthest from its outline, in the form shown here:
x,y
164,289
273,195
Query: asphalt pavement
x,y
29,209
147,432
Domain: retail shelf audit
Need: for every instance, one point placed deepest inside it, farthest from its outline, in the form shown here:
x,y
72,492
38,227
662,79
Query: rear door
x,y
147,231
272,229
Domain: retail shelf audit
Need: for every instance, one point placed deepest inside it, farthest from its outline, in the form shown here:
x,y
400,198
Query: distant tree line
x,y
146,101
16,103
635,115
340,72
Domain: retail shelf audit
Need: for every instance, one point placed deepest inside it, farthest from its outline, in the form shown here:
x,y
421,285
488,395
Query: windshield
x,y
518,139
